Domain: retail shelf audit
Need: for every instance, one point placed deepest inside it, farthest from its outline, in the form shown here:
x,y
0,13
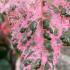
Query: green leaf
x,y
33,43
56,10
24,39
46,24
47,66
55,31
1,18
46,36
51,30
22,30
63,11
47,45
18,52
27,62
38,63
67,15
33,26
65,38
50,57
